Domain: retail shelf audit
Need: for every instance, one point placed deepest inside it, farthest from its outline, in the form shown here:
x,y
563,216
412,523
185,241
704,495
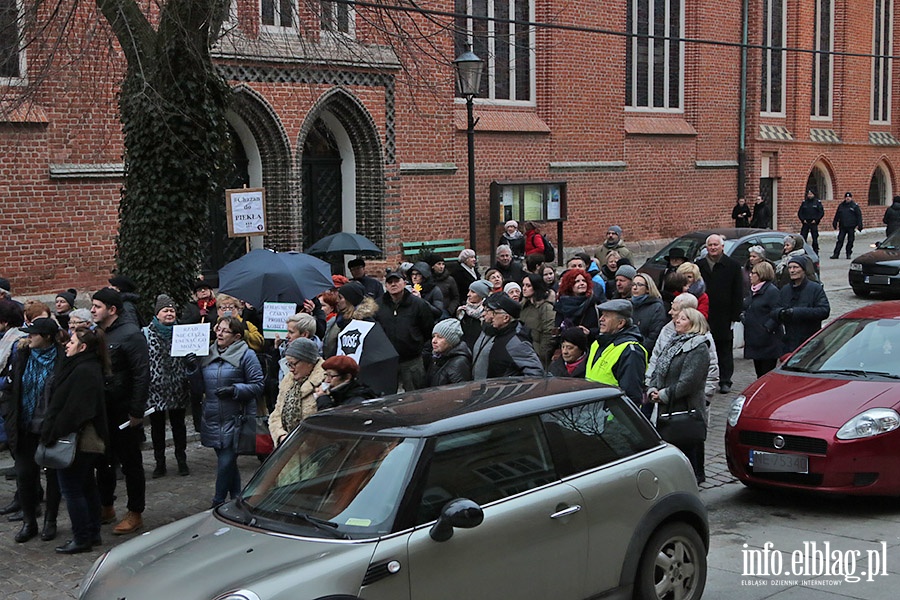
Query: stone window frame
x,y
22,77
822,91
501,85
331,12
882,63
772,57
641,62
278,22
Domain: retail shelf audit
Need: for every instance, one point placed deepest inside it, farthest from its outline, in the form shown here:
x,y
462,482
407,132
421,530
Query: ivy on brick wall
x,y
172,107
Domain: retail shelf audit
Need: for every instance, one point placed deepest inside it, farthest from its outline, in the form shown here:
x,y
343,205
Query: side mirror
x,y
462,513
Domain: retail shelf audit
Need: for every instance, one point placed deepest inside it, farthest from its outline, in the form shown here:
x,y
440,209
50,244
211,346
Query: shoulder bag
x,y
682,428
60,455
251,435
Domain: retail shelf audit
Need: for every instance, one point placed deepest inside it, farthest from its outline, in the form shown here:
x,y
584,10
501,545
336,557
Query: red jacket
x,y
534,243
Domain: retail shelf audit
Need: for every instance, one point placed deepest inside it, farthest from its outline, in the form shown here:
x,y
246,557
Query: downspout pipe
x,y
742,143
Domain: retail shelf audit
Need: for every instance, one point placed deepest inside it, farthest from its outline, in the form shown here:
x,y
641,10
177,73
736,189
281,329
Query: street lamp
x,y
468,81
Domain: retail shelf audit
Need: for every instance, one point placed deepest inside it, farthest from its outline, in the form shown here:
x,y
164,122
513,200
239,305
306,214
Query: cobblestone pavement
x,y
34,571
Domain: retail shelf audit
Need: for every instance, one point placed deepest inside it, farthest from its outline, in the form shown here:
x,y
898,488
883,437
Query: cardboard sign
x,y
190,339
275,316
246,209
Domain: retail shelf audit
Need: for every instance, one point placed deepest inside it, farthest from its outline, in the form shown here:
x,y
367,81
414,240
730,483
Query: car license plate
x,y
878,279
772,462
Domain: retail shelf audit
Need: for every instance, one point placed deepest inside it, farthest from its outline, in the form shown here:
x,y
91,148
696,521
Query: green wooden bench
x,y
449,249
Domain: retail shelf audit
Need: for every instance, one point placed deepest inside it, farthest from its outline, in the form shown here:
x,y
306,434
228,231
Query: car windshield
x,y
854,347
692,246
892,243
331,484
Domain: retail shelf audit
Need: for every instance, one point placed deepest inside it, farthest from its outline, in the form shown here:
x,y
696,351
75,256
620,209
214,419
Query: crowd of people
x,y
100,372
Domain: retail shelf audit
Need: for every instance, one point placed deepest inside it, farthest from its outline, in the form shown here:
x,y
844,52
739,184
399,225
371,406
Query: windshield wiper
x,y
321,524
850,372
883,374
795,368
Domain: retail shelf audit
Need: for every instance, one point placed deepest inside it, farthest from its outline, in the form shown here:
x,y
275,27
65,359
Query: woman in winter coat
x,y
342,385
741,213
297,390
232,380
513,238
534,243
695,285
892,217
352,303
538,315
65,304
575,304
572,361
424,288
32,365
649,311
762,332
451,359
170,390
466,270
679,380
551,281
470,314
77,404
440,275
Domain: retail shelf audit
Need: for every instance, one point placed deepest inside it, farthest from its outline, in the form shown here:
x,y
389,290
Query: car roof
x,y
434,411
880,310
729,233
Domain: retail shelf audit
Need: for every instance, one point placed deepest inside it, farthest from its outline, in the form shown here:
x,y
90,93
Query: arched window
x,y
819,181
880,186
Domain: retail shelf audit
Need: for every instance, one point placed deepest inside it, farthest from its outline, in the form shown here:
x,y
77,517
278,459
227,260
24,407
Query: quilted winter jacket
x,y
237,366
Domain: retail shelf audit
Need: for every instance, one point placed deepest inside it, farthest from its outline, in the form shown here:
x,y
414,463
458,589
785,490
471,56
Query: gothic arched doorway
x,y
322,187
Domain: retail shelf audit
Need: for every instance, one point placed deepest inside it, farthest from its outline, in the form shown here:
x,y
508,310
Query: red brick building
x,y
658,132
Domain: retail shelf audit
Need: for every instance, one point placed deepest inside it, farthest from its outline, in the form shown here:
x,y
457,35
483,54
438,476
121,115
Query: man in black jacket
x,y
725,287
804,305
126,401
502,350
810,213
847,219
762,214
407,321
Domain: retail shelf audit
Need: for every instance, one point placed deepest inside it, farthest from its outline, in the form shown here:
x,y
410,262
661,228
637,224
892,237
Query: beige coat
x,y
307,400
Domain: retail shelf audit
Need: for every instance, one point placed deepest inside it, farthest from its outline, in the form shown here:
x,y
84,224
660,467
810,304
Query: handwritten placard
x,y
275,316
190,339
246,210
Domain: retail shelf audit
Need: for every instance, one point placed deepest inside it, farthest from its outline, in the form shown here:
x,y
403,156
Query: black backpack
x,y
549,252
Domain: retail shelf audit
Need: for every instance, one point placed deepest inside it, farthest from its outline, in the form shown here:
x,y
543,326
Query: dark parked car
x,y
827,419
515,488
737,245
878,270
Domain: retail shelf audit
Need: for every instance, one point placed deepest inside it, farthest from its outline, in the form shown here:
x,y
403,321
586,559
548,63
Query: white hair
x,y
686,300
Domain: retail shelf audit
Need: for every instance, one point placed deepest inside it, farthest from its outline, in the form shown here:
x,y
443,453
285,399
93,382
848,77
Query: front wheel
x,y
673,565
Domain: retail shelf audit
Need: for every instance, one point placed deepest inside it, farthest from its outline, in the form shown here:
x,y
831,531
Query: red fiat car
x,y
827,419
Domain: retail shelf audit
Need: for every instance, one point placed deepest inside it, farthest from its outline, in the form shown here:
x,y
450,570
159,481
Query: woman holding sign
x,y
169,388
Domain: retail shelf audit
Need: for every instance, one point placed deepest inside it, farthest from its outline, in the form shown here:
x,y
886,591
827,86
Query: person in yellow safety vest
x,y
617,356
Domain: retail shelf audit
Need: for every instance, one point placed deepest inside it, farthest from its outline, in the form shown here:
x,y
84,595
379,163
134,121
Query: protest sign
x,y
275,316
190,339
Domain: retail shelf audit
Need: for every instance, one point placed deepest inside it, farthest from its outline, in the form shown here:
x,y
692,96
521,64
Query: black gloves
x,y
785,315
191,360
225,393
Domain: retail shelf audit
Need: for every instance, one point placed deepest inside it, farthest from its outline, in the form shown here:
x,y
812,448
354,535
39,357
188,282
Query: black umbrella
x,y
344,243
379,363
266,276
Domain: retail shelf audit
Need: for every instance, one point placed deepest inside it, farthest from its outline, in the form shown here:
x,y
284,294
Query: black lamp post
x,y
468,80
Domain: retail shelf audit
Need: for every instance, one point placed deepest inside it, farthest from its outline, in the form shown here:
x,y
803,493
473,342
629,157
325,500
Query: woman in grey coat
x,y
679,381
232,381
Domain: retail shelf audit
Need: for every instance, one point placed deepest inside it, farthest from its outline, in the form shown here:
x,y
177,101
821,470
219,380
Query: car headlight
x,y
737,405
874,421
855,267
238,595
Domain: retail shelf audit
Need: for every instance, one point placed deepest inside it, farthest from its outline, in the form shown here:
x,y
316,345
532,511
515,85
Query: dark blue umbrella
x,y
266,276
344,243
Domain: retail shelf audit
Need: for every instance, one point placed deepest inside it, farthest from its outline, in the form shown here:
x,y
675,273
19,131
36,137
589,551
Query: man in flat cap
x,y
617,356
501,350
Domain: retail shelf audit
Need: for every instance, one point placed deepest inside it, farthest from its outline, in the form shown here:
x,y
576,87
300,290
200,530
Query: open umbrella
x,y
369,345
344,243
265,276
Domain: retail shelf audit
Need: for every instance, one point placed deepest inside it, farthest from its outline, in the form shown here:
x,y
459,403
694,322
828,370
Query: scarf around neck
x,y
675,345
232,354
37,370
164,331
